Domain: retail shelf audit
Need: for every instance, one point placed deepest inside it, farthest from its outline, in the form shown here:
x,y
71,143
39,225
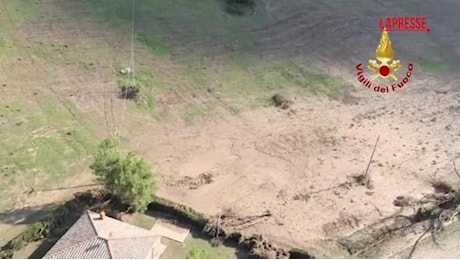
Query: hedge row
x,y
58,222
36,232
252,244
180,212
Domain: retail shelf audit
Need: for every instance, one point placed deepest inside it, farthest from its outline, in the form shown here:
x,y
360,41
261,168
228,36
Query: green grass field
x,y
196,248
42,140
234,82
141,220
191,17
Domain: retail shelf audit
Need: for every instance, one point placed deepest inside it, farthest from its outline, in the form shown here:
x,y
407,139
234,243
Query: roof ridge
x,y
121,238
110,248
88,213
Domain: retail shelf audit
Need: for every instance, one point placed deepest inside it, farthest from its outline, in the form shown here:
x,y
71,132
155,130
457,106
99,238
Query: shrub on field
x,y
128,178
129,92
240,7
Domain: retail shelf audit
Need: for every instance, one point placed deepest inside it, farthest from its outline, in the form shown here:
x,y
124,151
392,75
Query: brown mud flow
x,y
430,215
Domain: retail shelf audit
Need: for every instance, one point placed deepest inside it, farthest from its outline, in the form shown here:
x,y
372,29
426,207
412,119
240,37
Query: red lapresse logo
x,y
404,24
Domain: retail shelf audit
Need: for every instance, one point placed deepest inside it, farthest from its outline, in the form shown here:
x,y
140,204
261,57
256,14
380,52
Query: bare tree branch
x,y
372,156
417,241
455,169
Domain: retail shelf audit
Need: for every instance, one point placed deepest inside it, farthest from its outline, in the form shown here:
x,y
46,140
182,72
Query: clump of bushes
x,y
129,92
35,233
240,7
128,178
203,252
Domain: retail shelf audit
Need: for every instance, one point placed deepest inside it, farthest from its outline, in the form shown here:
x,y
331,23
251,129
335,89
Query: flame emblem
x,y
384,54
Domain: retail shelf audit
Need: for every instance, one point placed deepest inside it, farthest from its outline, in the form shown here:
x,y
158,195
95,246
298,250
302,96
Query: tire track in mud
x,y
107,93
290,28
81,82
191,96
199,101
30,66
185,91
300,33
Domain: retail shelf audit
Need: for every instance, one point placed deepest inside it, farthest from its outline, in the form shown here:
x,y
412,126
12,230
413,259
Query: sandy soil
x,y
288,162
268,159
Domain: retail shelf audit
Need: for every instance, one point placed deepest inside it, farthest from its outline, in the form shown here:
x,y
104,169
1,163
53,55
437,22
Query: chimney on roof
x,y
102,215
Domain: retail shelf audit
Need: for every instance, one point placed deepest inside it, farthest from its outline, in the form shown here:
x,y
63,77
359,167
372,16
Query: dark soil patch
x,y
129,92
363,180
240,7
281,101
195,183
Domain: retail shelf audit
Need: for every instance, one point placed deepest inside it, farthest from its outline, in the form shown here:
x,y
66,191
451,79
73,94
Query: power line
x,y
131,77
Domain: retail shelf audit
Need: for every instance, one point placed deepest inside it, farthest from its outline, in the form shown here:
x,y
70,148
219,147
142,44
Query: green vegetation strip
x,y
54,224
60,220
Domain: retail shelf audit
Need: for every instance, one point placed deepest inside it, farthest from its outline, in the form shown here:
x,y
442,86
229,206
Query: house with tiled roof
x,y
96,236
